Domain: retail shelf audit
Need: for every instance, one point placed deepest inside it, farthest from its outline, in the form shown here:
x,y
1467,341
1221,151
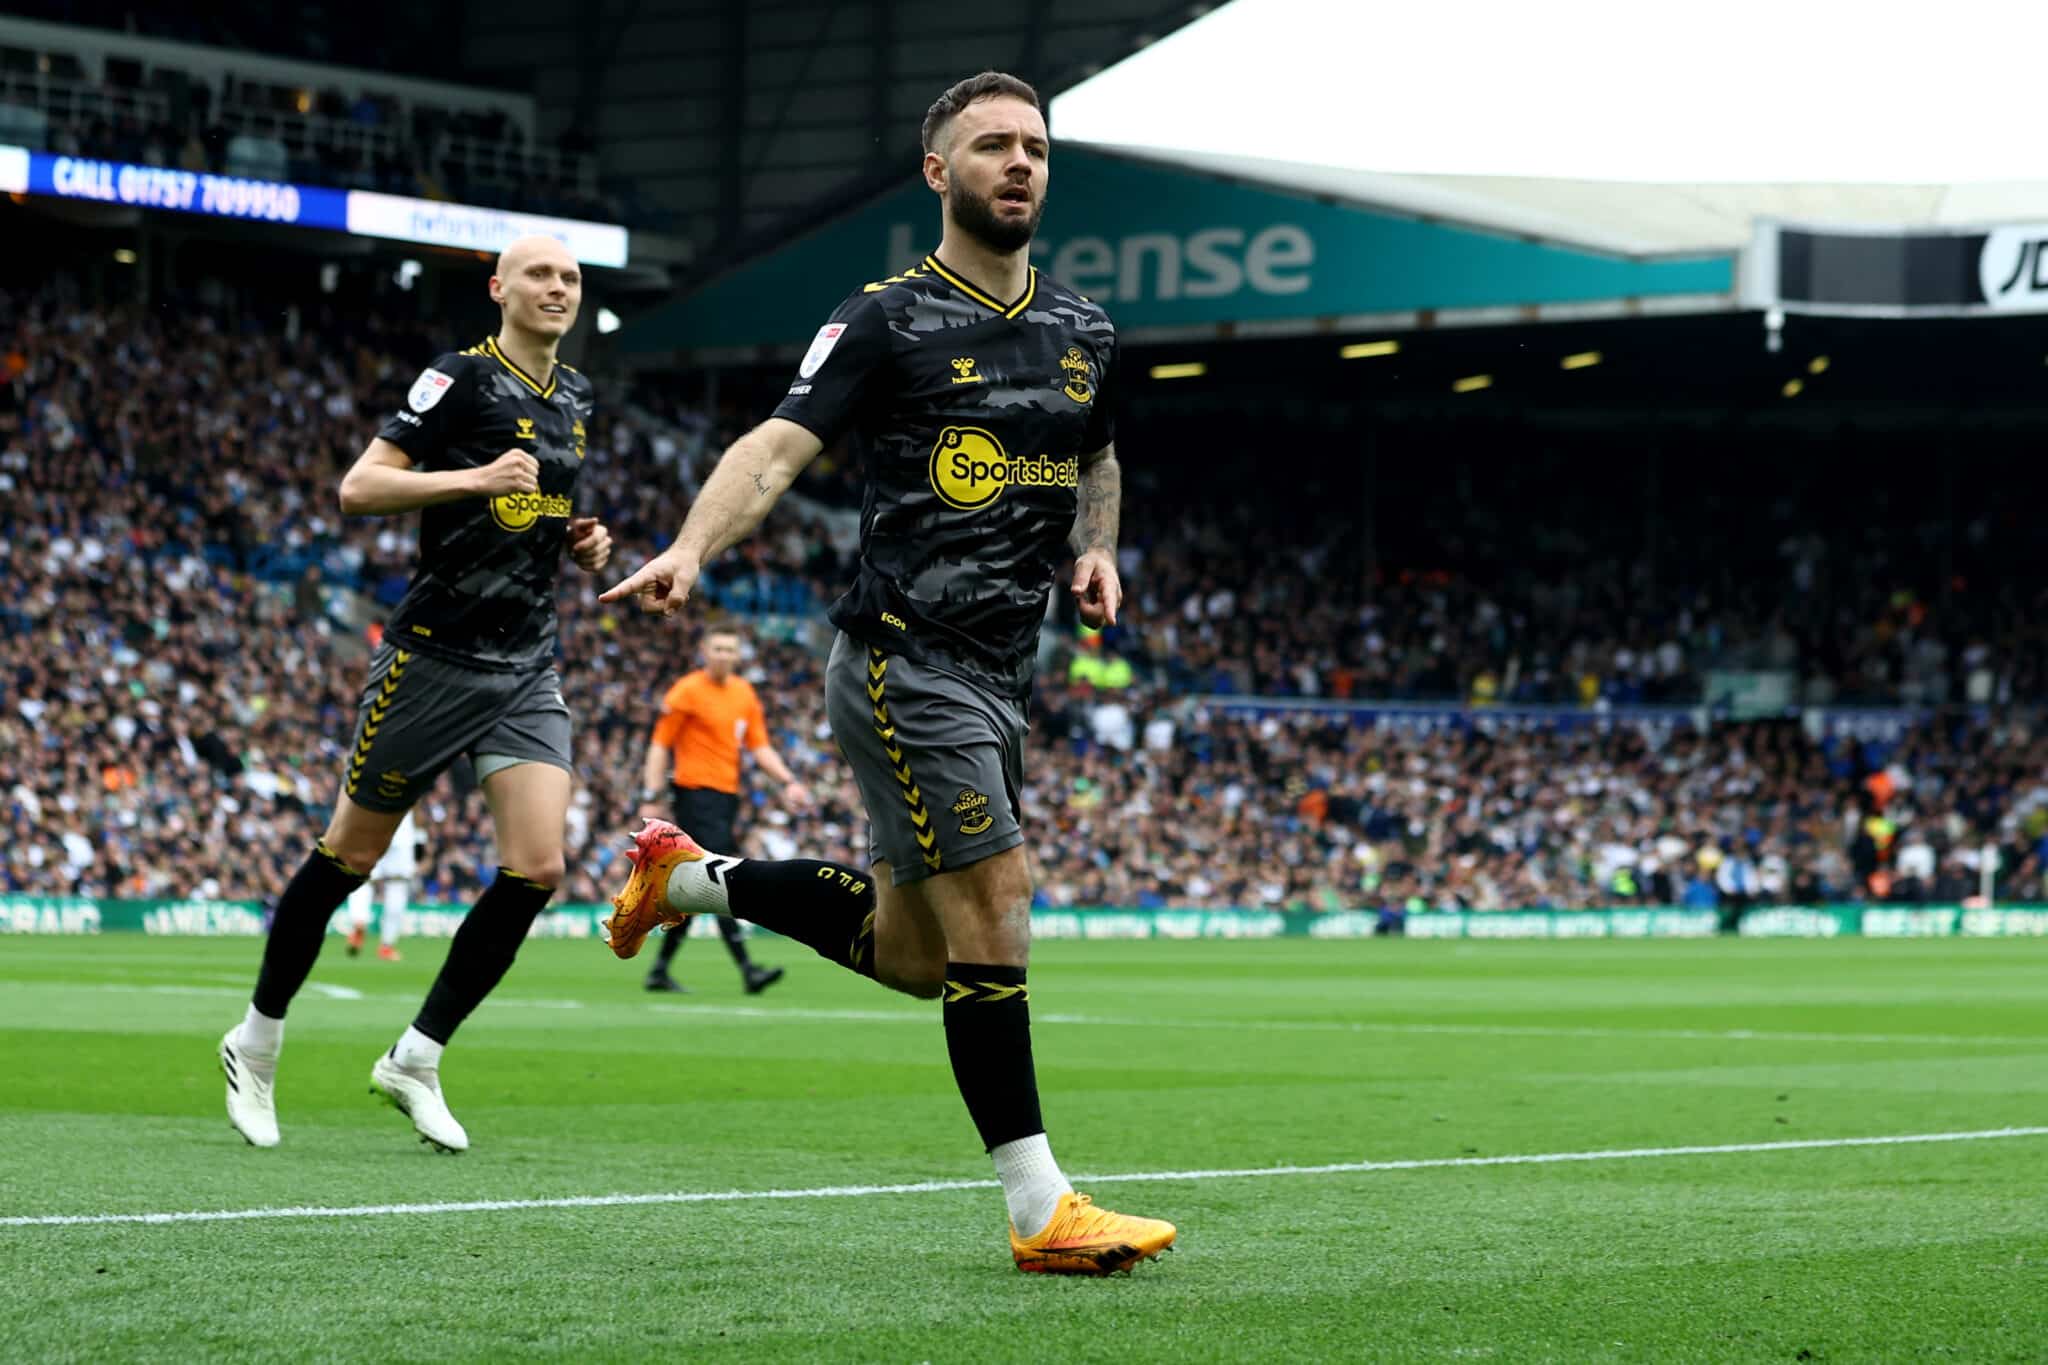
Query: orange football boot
x,y
1084,1240
643,903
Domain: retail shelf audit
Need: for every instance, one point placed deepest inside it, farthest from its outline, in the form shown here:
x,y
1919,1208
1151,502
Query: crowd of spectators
x,y
1542,584
1152,803
184,621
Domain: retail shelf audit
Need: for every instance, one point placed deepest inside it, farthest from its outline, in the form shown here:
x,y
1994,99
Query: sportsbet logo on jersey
x,y
519,511
970,469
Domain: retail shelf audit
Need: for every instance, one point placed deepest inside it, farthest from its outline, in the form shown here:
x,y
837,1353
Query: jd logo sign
x,y
2012,269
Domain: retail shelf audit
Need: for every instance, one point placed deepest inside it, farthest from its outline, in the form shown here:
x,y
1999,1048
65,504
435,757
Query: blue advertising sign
x,y
158,187
358,212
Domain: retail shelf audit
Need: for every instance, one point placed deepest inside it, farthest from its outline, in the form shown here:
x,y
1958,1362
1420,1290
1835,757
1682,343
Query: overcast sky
x,y
1670,90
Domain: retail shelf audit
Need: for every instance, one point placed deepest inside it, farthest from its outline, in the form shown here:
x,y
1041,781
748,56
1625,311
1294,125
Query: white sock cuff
x,y
1032,1182
260,1035
416,1051
699,888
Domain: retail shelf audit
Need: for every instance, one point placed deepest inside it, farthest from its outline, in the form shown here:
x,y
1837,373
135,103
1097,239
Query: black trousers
x,y
707,816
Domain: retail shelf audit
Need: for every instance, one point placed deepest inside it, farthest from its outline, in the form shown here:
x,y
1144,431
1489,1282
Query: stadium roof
x,y
1642,131
1731,92
739,122
1626,218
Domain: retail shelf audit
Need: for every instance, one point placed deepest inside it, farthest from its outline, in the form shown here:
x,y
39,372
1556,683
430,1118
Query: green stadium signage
x,y
1168,247
243,919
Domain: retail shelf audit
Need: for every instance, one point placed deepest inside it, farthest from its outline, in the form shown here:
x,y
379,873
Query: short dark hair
x,y
986,86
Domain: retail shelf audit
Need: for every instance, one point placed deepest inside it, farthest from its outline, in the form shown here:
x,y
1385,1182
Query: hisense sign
x,y
1170,247
1208,263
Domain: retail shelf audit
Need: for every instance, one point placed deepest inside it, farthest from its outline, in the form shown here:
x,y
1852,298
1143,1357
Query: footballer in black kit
x,y
483,592
976,394
486,447
968,416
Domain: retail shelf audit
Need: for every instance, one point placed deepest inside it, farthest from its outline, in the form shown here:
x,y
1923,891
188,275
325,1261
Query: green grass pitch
x,y
1163,1061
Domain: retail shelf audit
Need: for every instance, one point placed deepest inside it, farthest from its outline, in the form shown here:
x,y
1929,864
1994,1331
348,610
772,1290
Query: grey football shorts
x,y
418,714
940,761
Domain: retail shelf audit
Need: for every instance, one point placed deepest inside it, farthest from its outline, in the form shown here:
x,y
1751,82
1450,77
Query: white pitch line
x,y
606,1201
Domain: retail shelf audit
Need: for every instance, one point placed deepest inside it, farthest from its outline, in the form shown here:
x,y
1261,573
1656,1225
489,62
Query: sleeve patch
x,y
428,390
821,347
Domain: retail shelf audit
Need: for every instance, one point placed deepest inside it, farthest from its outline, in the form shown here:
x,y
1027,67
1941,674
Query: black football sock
x,y
828,908
671,944
735,941
298,928
988,1036
481,952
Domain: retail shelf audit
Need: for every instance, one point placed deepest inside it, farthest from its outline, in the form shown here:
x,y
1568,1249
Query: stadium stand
x,y
183,612
77,92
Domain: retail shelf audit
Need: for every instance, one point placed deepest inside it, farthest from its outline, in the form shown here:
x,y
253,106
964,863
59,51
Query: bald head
x,y
539,286
520,249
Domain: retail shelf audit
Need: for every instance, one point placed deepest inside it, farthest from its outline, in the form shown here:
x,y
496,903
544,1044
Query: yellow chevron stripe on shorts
x,y
899,766
378,709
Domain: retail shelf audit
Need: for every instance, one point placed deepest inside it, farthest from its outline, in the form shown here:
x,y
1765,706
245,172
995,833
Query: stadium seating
x,y
184,618
93,94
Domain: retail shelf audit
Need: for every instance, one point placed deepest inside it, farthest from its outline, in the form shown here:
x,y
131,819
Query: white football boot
x,y
252,1094
416,1093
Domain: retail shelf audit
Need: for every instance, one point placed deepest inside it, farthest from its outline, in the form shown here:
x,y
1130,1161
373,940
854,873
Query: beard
x,y
977,218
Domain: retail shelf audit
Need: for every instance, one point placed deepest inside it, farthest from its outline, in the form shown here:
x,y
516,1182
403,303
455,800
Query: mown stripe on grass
x,y
1734,1035
602,1201
801,1014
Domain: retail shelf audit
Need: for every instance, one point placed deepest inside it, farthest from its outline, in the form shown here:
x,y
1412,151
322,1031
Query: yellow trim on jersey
x,y
1008,310
1030,291
523,376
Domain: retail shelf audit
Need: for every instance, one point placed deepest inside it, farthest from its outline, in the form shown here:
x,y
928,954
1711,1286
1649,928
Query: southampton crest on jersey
x,y
1080,375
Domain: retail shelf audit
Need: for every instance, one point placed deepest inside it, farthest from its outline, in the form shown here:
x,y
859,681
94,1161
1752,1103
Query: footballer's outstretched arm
x,y
754,471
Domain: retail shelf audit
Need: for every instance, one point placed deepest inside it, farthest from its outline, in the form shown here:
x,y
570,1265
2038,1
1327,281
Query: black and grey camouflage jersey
x,y
483,589
969,417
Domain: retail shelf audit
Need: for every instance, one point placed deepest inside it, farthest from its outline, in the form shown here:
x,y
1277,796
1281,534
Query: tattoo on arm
x,y
1101,503
743,485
